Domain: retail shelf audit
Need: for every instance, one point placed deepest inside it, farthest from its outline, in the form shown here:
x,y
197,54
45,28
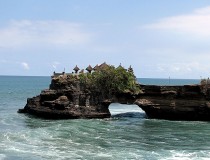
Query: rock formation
x,y
188,102
65,101
88,95
84,95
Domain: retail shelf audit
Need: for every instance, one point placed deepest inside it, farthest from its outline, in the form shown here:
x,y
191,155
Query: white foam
x,y
116,108
104,155
2,156
187,155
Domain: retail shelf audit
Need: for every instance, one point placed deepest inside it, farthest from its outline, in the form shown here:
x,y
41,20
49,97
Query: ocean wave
x,y
188,155
130,115
2,156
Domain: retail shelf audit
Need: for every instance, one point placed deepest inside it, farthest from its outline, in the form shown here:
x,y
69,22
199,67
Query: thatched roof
x,y
120,66
96,68
89,68
82,71
76,69
103,66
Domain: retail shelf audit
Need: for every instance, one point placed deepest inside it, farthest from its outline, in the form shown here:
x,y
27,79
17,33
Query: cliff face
x,y
189,102
66,99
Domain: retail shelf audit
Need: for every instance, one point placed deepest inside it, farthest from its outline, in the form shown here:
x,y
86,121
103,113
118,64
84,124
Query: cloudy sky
x,y
159,38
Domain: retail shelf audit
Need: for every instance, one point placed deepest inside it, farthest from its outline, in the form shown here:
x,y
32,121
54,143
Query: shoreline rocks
x,y
160,102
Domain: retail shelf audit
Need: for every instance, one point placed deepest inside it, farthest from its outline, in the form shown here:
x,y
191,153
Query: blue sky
x,y
159,38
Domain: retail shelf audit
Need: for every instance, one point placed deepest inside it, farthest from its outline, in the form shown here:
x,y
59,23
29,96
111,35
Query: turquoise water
x,y
127,135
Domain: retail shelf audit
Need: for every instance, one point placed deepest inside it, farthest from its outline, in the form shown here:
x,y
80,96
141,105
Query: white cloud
x,y
187,67
205,10
25,65
28,33
196,23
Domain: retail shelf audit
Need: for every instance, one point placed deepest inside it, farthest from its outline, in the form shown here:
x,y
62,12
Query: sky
x,y
158,38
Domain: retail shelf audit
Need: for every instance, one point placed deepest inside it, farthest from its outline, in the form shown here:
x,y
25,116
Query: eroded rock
x,y
72,96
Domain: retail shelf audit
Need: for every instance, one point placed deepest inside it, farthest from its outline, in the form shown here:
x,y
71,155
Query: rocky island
x,y
84,95
89,94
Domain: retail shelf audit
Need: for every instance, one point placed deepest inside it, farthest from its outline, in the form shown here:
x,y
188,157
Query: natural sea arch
x,y
126,110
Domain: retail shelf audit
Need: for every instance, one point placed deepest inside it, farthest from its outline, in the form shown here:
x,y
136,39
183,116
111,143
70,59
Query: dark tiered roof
x,y
89,68
130,69
76,69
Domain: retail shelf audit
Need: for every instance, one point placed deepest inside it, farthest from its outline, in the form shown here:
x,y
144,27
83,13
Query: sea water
x,y
128,134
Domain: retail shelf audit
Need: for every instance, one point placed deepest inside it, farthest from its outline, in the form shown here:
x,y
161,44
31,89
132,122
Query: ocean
x,y
128,134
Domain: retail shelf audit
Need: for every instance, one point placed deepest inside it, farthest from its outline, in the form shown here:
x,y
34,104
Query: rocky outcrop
x,y
189,102
62,108
67,100
84,95
72,97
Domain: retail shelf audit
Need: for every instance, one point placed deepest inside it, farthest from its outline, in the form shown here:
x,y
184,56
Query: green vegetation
x,y
107,79
111,80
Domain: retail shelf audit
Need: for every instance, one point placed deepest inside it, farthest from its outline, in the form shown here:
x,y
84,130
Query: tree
x,y
110,80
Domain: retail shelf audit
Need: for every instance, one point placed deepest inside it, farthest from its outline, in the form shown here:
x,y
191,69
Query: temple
x,y
89,69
